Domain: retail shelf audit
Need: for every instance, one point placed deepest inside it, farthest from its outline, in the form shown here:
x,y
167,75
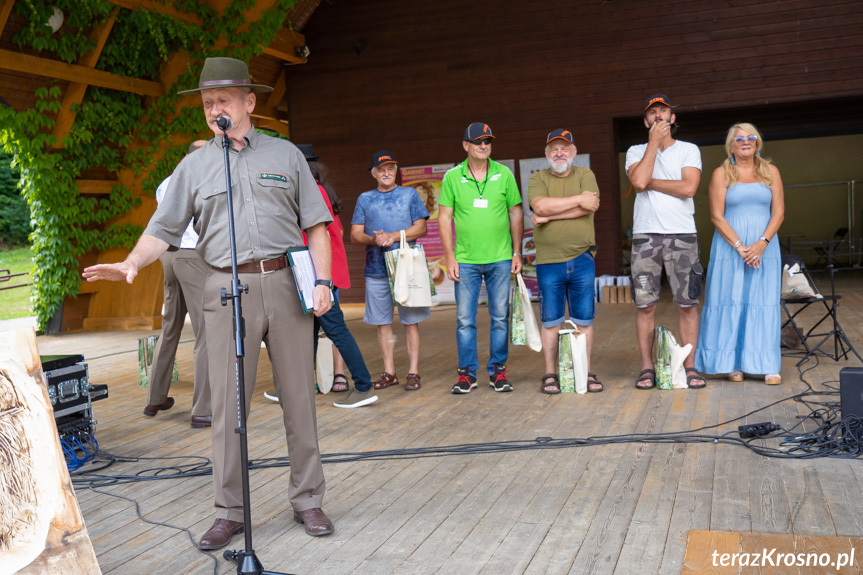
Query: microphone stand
x,y
246,560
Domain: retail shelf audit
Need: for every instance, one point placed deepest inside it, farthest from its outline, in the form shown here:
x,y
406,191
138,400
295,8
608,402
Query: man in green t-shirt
x,y
482,197
564,198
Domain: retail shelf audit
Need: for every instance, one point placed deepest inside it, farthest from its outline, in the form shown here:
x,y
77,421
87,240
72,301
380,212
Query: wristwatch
x,y
328,283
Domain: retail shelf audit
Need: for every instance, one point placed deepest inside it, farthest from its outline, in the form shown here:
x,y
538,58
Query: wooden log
x,y
41,526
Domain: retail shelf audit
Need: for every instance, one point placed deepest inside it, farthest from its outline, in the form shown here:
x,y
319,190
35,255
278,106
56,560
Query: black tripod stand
x,y
246,560
841,346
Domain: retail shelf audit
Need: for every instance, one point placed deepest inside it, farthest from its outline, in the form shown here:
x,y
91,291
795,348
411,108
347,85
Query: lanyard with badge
x,y
480,202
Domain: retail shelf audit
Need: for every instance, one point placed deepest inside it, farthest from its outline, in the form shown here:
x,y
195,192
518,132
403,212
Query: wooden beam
x,y
276,96
284,46
271,124
101,187
158,8
75,90
73,73
5,10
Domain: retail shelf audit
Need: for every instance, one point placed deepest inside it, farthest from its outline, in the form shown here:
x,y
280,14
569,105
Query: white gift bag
x,y
411,282
531,329
573,377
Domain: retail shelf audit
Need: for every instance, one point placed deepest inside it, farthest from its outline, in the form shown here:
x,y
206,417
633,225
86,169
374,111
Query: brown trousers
x,y
272,314
185,274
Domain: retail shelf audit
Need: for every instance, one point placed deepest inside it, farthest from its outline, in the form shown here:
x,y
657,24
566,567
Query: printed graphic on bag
x,y
662,358
565,371
518,335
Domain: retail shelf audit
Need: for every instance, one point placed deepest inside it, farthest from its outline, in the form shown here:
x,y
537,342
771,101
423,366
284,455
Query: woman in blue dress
x,y
741,319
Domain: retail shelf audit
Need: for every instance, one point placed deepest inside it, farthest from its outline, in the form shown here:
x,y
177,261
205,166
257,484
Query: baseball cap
x,y
477,130
657,99
560,134
382,157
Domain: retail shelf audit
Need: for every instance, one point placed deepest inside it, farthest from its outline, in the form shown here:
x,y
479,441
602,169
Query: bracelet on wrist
x,y
736,244
765,240
516,254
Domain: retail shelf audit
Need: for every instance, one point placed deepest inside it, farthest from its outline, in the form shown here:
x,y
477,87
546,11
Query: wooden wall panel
x,y
410,76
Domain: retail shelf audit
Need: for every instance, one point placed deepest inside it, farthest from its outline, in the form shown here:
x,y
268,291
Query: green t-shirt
x,y
562,240
481,234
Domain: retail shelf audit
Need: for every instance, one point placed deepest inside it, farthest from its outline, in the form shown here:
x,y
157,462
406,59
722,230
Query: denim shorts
x,y
379,305
572,282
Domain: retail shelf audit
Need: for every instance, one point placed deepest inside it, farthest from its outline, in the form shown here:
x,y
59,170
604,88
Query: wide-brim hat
x,y
226,73
308,152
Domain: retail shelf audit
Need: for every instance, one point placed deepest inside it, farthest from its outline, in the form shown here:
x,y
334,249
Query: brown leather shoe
x,y
152,410
199,421
413,382
220,534
386,380
316,522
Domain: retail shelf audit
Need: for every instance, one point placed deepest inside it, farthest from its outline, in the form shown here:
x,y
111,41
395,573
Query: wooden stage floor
x,y
615,508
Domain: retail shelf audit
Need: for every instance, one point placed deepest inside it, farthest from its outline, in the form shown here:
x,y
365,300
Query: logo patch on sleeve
x,y
279,177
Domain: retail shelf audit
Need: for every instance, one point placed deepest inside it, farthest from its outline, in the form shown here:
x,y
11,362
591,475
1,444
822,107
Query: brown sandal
x,y
550,384
413,382
386,380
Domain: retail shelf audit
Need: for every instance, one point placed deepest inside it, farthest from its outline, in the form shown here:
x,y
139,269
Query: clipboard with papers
x,y
300,260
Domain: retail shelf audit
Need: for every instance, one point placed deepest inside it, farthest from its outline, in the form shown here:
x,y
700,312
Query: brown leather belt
x,y
262,267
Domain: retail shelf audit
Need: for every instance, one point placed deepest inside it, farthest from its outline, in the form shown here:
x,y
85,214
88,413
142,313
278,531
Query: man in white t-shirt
x,y
185,275
665,174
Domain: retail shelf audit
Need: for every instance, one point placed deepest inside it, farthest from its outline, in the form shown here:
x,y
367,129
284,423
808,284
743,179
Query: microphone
x,y
224,123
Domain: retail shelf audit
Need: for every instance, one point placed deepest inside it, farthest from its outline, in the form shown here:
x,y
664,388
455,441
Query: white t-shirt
x,y
190,236
658,213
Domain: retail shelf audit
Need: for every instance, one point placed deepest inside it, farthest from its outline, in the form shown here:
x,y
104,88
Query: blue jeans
x,y
496,278
333,324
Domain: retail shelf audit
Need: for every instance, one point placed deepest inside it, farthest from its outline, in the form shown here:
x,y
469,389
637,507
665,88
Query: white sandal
x,y
735,376
773,379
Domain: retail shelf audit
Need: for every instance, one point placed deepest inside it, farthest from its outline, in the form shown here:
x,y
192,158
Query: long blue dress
x,y
741,318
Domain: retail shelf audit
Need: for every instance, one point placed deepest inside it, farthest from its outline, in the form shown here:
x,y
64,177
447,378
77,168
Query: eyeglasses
x,y
481,142
741,139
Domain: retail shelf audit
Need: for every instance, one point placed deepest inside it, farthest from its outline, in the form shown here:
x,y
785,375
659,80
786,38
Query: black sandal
x,y
643,377
340,383
591,380
550,384
695,376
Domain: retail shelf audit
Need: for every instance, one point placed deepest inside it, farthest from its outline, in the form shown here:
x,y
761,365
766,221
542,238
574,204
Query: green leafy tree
x,y
15,223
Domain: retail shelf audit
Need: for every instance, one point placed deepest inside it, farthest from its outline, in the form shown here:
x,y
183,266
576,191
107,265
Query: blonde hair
x,y
762,166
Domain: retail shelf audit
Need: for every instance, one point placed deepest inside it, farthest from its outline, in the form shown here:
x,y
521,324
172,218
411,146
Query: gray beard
x,y
557,169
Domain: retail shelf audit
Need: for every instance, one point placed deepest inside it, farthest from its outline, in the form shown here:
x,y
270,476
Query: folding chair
x,y
841,346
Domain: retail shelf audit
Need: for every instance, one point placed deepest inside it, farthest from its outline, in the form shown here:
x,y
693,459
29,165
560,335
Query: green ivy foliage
x,y
65,225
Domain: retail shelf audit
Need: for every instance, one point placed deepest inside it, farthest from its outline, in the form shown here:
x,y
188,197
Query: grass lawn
x,y
15,302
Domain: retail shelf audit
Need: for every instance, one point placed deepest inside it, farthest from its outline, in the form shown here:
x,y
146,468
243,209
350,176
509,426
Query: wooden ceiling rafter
x,y
75,90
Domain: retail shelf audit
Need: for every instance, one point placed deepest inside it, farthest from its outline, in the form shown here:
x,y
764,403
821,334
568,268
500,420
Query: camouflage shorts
x,y
678,254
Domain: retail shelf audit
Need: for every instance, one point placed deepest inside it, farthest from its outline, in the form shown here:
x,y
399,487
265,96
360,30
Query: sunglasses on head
x,y
741,139
481,141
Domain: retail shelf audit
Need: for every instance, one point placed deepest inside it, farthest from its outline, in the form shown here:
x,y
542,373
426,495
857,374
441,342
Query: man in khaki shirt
x,y
564,198
275,199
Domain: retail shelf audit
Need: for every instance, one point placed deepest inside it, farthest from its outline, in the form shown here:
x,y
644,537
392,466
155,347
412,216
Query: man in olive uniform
x,y
275,200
